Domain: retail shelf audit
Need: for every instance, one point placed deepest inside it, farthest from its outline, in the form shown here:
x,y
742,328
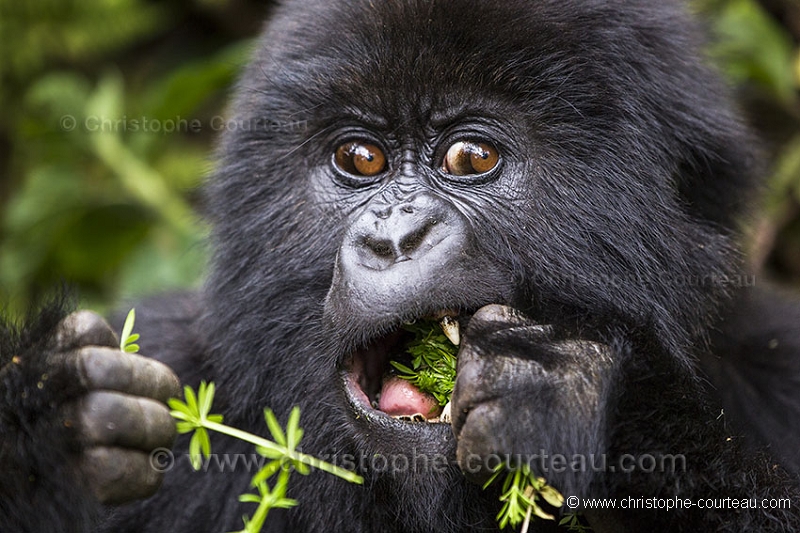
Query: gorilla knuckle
x,y
114,419
117,475
105,368
84,328
481,438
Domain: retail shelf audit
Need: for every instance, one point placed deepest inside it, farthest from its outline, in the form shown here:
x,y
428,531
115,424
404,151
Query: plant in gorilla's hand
x,y
128,338
193,416
433,371
522,493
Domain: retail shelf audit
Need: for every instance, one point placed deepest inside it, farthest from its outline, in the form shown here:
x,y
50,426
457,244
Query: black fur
x,y
38,489
614,221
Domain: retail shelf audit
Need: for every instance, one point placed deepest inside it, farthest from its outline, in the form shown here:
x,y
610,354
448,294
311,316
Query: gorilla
x,y
564,179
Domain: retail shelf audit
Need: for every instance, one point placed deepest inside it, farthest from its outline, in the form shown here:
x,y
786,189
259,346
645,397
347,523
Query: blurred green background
x,y
109,110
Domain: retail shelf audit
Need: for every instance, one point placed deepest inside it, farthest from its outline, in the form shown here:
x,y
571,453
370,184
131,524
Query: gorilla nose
x,y
386,235
402,238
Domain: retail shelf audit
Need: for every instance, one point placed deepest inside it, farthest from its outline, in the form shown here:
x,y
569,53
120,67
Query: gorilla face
x,y
405,160
410,251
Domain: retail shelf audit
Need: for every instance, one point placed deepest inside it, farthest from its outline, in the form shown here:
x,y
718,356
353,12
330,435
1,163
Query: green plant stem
x,y
310,460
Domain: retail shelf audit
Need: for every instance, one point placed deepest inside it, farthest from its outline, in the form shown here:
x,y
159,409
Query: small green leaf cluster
x,y
433,364
522,492
193,416
281,464
128,338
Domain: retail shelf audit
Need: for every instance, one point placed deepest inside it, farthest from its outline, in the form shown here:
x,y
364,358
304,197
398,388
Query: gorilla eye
x,y
360,159
467,157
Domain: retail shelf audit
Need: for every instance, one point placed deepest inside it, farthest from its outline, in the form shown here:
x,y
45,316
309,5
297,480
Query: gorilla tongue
x,y
401,398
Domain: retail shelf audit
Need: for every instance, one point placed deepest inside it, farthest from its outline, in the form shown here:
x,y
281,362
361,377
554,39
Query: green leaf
x,y
127,329
205,442
274,427
266,472
194,452
284,503
540,513
552,496
206,398
191,399
293,431
270,453
184,427
301,468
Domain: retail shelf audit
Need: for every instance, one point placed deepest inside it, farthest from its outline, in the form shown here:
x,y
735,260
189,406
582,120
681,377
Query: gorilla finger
x,y
502,314
500,330
481,379
479,442
118,475
85,328
114,419
106,368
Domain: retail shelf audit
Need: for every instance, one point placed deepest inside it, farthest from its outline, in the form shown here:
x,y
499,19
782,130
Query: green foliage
x,y
45,31
761,58
92,196
752,47
521,494
433,364
128,338
193,415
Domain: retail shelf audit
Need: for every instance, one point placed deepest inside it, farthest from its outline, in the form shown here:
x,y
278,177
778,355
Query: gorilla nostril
x,y
380,247
414,240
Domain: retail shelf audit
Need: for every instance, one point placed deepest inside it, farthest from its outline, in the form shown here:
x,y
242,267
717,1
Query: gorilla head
x,y
391,161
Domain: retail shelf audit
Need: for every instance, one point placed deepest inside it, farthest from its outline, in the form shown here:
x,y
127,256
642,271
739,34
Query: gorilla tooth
x,y
416,417
451,329
445,416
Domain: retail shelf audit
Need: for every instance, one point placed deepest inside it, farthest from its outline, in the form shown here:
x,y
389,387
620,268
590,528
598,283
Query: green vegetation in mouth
x,y
433,363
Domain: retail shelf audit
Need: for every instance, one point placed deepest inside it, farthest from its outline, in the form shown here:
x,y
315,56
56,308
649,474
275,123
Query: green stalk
x,y
309,460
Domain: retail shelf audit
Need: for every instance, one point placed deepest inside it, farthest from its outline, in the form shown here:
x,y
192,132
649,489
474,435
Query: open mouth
x,y
382,377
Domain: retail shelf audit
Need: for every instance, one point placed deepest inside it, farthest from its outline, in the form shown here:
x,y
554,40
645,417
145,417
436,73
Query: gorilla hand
x,y
102,410
520,393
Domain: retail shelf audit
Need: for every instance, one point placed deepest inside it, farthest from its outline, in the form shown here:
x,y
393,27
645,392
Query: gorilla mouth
x,y
373,384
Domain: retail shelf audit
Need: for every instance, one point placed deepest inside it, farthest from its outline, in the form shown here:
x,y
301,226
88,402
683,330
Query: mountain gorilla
x,y
562,178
